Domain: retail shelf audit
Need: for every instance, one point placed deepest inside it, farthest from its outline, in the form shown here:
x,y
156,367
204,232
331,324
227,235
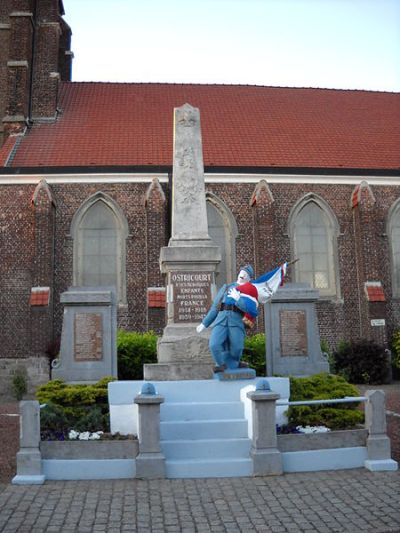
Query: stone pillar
x,y
189,261
41,319
156,238
150,463
378,443
267,459
262,205
29,460
369,250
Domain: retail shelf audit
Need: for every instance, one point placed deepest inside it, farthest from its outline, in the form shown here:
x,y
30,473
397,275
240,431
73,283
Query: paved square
x,y
341,501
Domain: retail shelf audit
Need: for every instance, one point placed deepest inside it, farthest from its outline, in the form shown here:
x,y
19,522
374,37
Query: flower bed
x,y
323,440
98,449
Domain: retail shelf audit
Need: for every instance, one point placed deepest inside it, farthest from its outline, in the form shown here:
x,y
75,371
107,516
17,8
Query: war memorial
x,y
199,412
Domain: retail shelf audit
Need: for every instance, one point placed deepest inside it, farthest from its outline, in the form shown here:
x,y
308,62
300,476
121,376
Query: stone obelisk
x,y
190,261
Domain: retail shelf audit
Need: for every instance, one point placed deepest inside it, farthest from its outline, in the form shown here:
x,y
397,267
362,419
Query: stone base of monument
x,y
177,371
182,354
88,349
291,328
235,374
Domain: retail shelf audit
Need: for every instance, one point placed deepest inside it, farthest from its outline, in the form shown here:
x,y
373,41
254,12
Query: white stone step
x,y
210,390
201,410
202,468
206,448
203,429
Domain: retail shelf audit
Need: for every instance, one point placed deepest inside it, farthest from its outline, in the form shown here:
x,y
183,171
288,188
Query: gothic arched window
x,y
313,230
393,232
99,230
223,231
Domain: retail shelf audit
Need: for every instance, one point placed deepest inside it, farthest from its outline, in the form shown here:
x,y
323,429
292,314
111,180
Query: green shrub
x,y
254,353
53,418
323,387
92,420
396,350
80,407
135,350
19,383
362,361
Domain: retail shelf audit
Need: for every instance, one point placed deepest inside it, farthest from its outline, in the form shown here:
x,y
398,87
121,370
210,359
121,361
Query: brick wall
x,y
34,55
17,253
4,55
145,209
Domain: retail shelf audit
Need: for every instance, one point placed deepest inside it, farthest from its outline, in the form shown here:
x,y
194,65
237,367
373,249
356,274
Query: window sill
x,y
331,299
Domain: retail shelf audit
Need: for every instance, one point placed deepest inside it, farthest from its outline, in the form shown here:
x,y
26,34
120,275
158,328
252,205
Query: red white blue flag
x,y
268,283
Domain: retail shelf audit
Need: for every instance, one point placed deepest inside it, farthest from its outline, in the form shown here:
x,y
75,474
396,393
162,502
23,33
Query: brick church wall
x,y
4,54
34,56
147,217
131,199
17,245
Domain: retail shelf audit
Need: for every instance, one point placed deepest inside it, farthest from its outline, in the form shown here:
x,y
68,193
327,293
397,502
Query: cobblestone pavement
x,y
346,500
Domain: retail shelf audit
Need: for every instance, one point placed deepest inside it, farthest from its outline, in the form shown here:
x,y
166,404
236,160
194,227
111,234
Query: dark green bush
x,y
396,354
19,383
53,417
323,387
80,407
92,420
254,353
135,350
362,361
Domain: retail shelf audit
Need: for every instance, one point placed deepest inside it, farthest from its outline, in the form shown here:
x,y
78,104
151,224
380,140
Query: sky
x,y
340,44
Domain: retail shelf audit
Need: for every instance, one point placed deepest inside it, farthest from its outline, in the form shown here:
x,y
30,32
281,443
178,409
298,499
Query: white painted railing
x,y
347,399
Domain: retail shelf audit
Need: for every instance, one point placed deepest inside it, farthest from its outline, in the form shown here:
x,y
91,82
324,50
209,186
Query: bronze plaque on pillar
x,y
293,332
88,330
191,295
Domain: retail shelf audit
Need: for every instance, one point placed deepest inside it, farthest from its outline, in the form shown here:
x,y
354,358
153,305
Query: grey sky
x,y
347,44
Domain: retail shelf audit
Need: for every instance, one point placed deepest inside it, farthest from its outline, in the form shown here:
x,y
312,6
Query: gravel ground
x,y
9,440
9,429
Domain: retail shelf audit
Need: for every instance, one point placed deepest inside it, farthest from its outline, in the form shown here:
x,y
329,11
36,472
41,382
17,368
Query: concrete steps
x,y
206,448
197,468
205,439
203,429
204,424
201,410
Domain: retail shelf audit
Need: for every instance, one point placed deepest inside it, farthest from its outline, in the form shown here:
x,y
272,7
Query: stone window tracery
x,y
393,232
313,231
223,231
99,230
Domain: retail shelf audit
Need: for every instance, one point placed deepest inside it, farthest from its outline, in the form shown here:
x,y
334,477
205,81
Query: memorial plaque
x,y
191,295
88,337
293,332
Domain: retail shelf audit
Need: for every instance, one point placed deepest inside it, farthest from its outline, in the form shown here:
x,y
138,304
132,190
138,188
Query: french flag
x,y
268,283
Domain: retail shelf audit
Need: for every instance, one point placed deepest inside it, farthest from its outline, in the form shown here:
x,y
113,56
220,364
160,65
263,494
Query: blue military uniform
x,y
228,334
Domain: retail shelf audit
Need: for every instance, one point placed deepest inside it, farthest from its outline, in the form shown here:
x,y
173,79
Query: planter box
x,y
98,449
295,442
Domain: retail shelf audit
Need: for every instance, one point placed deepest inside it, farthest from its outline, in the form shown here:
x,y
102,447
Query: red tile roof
x,y
6,149
107,124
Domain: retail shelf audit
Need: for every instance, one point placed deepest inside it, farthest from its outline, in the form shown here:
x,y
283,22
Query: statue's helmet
x,y
249,270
